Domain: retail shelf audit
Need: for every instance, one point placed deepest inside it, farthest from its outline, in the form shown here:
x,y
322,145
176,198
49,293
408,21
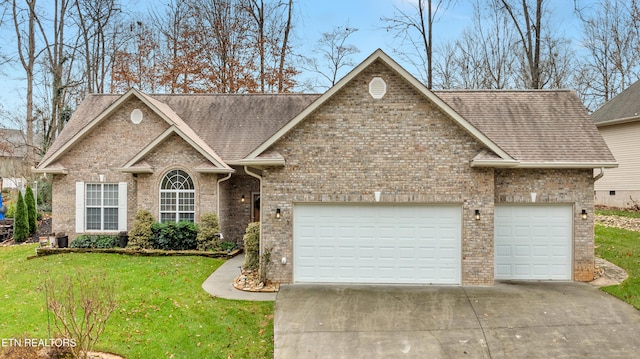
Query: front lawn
x,y
622,248
162,312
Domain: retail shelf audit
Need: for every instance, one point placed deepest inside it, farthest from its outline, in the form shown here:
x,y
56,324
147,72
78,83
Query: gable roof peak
x,y
380,55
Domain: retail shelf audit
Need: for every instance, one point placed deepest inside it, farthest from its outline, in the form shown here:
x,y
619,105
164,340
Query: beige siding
x,y
623,141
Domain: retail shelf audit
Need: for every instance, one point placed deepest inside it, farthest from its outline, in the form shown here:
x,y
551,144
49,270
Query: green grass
x,y
618,212
162,309
622,248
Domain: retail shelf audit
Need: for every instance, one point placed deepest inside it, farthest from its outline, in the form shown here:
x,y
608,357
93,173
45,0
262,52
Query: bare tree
x,y
528,24
610,29
334,54
482,58
27,55
272,25
543,53
95,19
227,46
415,29
136,63
181,61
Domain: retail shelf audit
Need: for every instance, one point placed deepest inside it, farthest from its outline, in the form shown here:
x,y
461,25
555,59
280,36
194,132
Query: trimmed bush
x,y
174,236
21,221
208,232
140,234
94,241
30,201
252,246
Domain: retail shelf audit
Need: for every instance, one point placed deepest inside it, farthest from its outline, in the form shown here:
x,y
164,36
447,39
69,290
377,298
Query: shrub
x,y
21,221
174,236
140,234
30,201
252,246
81,306
94,241
208,232
228,246
44,194
11,210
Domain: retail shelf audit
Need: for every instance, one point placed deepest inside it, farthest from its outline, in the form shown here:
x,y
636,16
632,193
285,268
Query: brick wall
x,y
235,215
400,145
562,187
112,144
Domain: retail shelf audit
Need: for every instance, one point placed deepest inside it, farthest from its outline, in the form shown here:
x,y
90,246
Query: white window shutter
x,y
122,206
79,207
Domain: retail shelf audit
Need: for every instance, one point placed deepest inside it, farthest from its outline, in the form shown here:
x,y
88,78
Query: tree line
x,y
68,48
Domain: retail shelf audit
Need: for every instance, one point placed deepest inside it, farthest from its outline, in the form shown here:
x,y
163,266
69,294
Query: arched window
x,y
177,197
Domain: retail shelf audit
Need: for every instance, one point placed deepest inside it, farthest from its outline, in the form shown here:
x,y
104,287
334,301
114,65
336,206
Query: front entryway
x,y
533,242
371,243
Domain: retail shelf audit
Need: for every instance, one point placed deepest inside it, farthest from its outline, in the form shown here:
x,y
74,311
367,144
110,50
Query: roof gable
x,y
381,56
137,165
177,125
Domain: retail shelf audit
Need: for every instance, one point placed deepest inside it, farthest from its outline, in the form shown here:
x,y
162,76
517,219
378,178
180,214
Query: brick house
x,y
378,180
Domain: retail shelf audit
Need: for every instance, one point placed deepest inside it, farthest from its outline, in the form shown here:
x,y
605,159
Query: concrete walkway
x,y
220,283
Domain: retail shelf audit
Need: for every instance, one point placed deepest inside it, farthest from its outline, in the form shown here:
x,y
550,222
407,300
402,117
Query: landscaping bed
x,y
46,251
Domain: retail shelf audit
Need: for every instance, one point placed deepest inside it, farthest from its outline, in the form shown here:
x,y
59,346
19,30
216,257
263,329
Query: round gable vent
x,y
377,88
136,116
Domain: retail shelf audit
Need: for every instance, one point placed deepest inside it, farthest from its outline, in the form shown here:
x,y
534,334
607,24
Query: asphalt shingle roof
x,y
232,125
624,105
532,125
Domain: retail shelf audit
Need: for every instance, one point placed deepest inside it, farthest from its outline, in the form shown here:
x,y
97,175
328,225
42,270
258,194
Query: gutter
x,y
218,194
599,175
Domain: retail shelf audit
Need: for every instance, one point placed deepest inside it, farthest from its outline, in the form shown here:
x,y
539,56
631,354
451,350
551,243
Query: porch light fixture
x,y
277,213
584,214
477,215
242,199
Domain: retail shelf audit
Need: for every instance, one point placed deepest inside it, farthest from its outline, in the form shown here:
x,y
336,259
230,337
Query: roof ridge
x,y
503,90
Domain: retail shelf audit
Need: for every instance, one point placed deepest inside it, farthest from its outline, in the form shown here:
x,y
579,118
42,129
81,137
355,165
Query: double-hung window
x,y
101,207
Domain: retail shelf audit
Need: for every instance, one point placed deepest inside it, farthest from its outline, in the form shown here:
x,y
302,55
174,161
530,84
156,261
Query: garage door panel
x,y
533,242
388,244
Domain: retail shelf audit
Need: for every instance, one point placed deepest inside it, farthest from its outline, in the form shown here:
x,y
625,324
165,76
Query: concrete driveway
x,y
508,320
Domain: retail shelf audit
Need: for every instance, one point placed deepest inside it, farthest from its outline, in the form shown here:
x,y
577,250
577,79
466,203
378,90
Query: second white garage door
x,y
533,242
377,243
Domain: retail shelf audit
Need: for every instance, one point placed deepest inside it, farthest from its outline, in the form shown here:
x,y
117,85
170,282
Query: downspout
x,y
255,175
218,193
599,175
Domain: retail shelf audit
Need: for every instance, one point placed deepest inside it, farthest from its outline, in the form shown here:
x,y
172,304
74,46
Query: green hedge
x,y
174,236
94,241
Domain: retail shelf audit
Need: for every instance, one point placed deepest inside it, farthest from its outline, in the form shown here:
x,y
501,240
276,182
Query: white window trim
x,y
81,207
177,192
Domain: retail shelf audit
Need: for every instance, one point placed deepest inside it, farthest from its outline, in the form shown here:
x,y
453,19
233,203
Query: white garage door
x,y
377,243
533,242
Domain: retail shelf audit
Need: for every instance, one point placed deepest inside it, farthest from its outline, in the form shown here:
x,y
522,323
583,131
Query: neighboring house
x,y
619,123
13,163
378,180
